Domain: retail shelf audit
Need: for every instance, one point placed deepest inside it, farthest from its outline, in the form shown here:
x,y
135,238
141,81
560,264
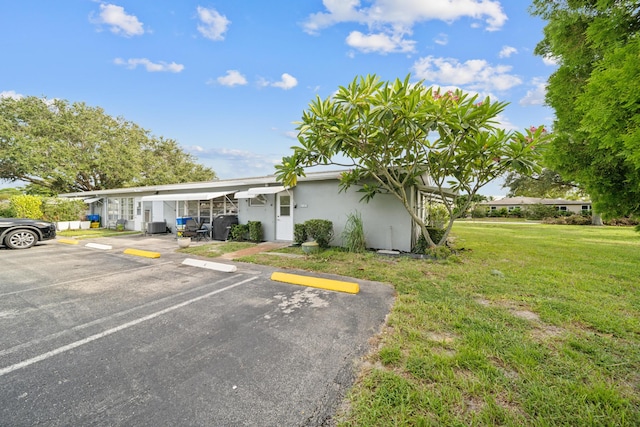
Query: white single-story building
x,y
386,222
511,203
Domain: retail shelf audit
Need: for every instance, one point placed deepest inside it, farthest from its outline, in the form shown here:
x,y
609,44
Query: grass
x,y
216,249
534,326
94,232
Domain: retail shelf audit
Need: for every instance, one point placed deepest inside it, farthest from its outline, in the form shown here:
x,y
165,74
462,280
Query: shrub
x,y
479,212
26,206
539,211
299,233
55,209
353,236
239,232
437,215
255,231
421,246
320,230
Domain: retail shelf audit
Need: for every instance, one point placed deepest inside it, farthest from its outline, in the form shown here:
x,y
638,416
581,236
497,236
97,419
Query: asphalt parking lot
x,y
98,337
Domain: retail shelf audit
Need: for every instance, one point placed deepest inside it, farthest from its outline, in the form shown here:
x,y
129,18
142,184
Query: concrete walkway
x,y
260,247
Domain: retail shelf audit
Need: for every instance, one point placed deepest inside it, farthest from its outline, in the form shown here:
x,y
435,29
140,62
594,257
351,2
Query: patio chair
x,y
190,228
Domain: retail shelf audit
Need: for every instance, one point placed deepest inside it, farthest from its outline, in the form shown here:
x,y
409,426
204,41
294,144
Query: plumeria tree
x,y
395,136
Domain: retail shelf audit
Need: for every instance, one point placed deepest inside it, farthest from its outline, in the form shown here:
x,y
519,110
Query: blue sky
x,y
227,79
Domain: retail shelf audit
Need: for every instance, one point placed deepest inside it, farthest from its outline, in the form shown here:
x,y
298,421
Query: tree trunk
x,y
596,219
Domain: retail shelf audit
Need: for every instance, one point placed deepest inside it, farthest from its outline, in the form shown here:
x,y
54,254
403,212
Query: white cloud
x,y
550,60
152,67
536,95
507,51
474,74
212,25
232,78
402,15
442,39
11,94
287,81
381,43
119,21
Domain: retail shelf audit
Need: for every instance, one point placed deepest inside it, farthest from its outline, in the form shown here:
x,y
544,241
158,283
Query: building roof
x,y
515,201
208,185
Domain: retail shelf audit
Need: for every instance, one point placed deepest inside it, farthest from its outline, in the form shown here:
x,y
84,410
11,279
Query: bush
x,y
239,232
55,209
320,230
26,206
255,231
353,236
421,246
479,212
299,233
539,211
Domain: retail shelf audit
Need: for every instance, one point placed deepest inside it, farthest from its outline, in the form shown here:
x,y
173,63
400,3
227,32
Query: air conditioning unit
x,y
156,227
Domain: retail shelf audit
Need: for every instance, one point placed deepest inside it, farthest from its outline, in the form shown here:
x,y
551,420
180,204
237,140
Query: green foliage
x,y
437,215
59,147
255,231
239,232
353,237
299,233
393,134
26,206
320,230
55,209
595,93
539,211
546,184
422,245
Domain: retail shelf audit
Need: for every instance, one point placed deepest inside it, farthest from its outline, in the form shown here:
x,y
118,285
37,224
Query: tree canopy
x,y
397,135
59,147
546,184
595,93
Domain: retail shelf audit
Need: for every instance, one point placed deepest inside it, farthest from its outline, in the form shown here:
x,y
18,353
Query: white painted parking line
x,y
111,317
103,334
93,277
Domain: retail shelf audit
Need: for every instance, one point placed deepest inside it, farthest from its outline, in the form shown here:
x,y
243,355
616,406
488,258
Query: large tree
x,y
595,93
546,184
61,147
395,135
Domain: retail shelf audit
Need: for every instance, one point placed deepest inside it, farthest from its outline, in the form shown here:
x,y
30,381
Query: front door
x,y
284,218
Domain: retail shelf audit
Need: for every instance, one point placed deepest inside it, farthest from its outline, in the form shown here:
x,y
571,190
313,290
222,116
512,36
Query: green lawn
x,y
526,325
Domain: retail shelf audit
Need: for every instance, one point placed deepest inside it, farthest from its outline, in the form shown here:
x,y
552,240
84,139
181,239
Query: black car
x,y
22,233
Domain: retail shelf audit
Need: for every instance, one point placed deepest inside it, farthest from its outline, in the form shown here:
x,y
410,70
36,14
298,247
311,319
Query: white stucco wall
x,y
387,224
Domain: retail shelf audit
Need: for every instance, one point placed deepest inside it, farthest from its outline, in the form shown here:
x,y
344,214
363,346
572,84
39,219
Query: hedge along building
x,y
387,224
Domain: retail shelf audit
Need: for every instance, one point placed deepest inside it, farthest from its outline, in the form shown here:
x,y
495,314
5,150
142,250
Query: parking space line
x,y
111,331
93,277
113,316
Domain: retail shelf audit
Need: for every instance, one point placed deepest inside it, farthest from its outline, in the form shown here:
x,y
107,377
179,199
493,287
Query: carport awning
x,y
185,196
92,200
256,191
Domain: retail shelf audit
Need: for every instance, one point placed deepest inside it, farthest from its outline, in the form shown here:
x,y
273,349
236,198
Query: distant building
x,y
511,203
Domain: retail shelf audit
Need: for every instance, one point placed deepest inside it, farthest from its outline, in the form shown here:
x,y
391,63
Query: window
x,y
561,208
494,208
259,200
120,208
586,207
510,208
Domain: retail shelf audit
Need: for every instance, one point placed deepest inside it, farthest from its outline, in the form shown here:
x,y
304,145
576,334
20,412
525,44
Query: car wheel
x,y
20,239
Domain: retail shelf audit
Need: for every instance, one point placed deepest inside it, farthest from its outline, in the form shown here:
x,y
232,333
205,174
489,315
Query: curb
x,y
317,282
138,252
210,265
68,241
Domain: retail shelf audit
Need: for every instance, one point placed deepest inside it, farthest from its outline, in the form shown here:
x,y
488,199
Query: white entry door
x,y
284,218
